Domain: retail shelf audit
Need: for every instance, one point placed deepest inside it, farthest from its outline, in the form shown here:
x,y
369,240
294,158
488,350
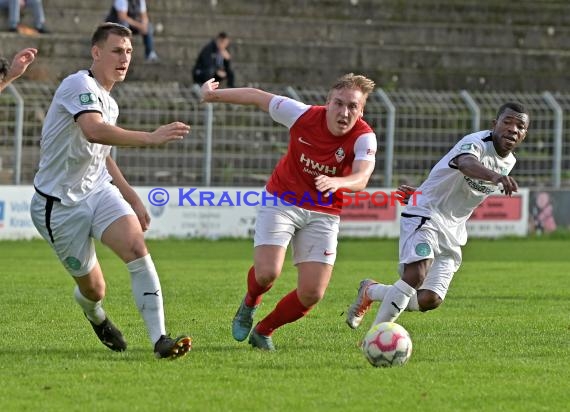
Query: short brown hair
x,y
103,30
354,81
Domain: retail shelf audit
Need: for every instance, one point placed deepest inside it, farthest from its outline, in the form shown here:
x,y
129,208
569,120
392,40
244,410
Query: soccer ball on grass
x,y
387,344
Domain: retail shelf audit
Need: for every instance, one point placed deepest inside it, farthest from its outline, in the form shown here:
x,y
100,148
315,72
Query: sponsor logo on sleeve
x,y
87,98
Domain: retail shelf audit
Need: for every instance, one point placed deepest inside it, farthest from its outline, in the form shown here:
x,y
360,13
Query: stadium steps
x,y
447,11
297,42
393,66
250,29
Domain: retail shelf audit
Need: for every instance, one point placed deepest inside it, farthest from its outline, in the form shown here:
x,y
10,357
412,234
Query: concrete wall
x,y
427,44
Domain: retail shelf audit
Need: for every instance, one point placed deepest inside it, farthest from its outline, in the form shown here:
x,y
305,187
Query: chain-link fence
x,y
414,128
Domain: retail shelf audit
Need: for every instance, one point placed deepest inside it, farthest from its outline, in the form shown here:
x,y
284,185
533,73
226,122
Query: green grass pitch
x,y
500,341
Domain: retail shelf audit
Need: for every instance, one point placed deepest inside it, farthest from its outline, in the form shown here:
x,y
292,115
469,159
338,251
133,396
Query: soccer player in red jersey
x,y
330,148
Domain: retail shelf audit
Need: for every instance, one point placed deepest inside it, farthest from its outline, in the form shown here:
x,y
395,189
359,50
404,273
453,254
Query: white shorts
x,y
70,230
314,234
421,239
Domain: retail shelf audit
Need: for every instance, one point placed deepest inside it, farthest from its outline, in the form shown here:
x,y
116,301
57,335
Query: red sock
x,y
288,310
254,289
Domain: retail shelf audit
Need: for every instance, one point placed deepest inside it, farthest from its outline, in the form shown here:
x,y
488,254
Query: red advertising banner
x,y
499,208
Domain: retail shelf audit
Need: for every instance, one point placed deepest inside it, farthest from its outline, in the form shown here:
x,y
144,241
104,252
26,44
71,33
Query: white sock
x,y
93,310
148,295
413,305
377,292
395,301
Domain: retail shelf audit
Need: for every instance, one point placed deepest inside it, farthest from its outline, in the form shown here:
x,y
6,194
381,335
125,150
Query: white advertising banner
x,y
200,212
230,212
15,220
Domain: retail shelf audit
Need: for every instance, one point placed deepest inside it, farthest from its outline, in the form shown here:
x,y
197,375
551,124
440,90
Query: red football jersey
x,y
313,150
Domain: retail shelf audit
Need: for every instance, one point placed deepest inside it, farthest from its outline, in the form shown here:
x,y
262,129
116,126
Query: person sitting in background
x,y
133,14
11,71
14,6
214,62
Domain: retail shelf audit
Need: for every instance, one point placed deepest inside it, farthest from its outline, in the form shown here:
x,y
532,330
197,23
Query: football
x,y
387,344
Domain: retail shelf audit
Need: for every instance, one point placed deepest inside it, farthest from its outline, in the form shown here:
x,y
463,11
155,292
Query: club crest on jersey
x,y
72,262
87,98
423,249
504,171
339,154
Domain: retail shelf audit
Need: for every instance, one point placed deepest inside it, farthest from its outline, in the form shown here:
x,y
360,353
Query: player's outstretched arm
x,y
128,193
470,166
241,95
19,65
96,130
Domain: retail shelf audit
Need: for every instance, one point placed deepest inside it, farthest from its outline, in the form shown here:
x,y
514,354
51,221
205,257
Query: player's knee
x,y
414,273
140,250
413,278
134,249
267,274
94,291
310,298
428,300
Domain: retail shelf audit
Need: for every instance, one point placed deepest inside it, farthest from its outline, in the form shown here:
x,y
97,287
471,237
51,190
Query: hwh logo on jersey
x,y
314,167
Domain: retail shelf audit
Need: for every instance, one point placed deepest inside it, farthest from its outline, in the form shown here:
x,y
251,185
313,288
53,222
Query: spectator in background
x,y
14,6
542,214
133,14
11,71
214,61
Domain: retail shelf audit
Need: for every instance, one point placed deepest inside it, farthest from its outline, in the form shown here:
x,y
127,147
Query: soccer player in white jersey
x,y
432,226
11,71
330,148
81,194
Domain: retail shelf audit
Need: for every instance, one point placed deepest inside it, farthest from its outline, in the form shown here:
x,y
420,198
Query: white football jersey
x,y
70,167
449,197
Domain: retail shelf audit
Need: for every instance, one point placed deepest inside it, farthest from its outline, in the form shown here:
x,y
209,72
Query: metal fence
x,y
414,128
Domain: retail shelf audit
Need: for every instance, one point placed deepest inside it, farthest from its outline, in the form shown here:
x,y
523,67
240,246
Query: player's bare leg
x,y
312,283
125,238
268,263
89,294
398,296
